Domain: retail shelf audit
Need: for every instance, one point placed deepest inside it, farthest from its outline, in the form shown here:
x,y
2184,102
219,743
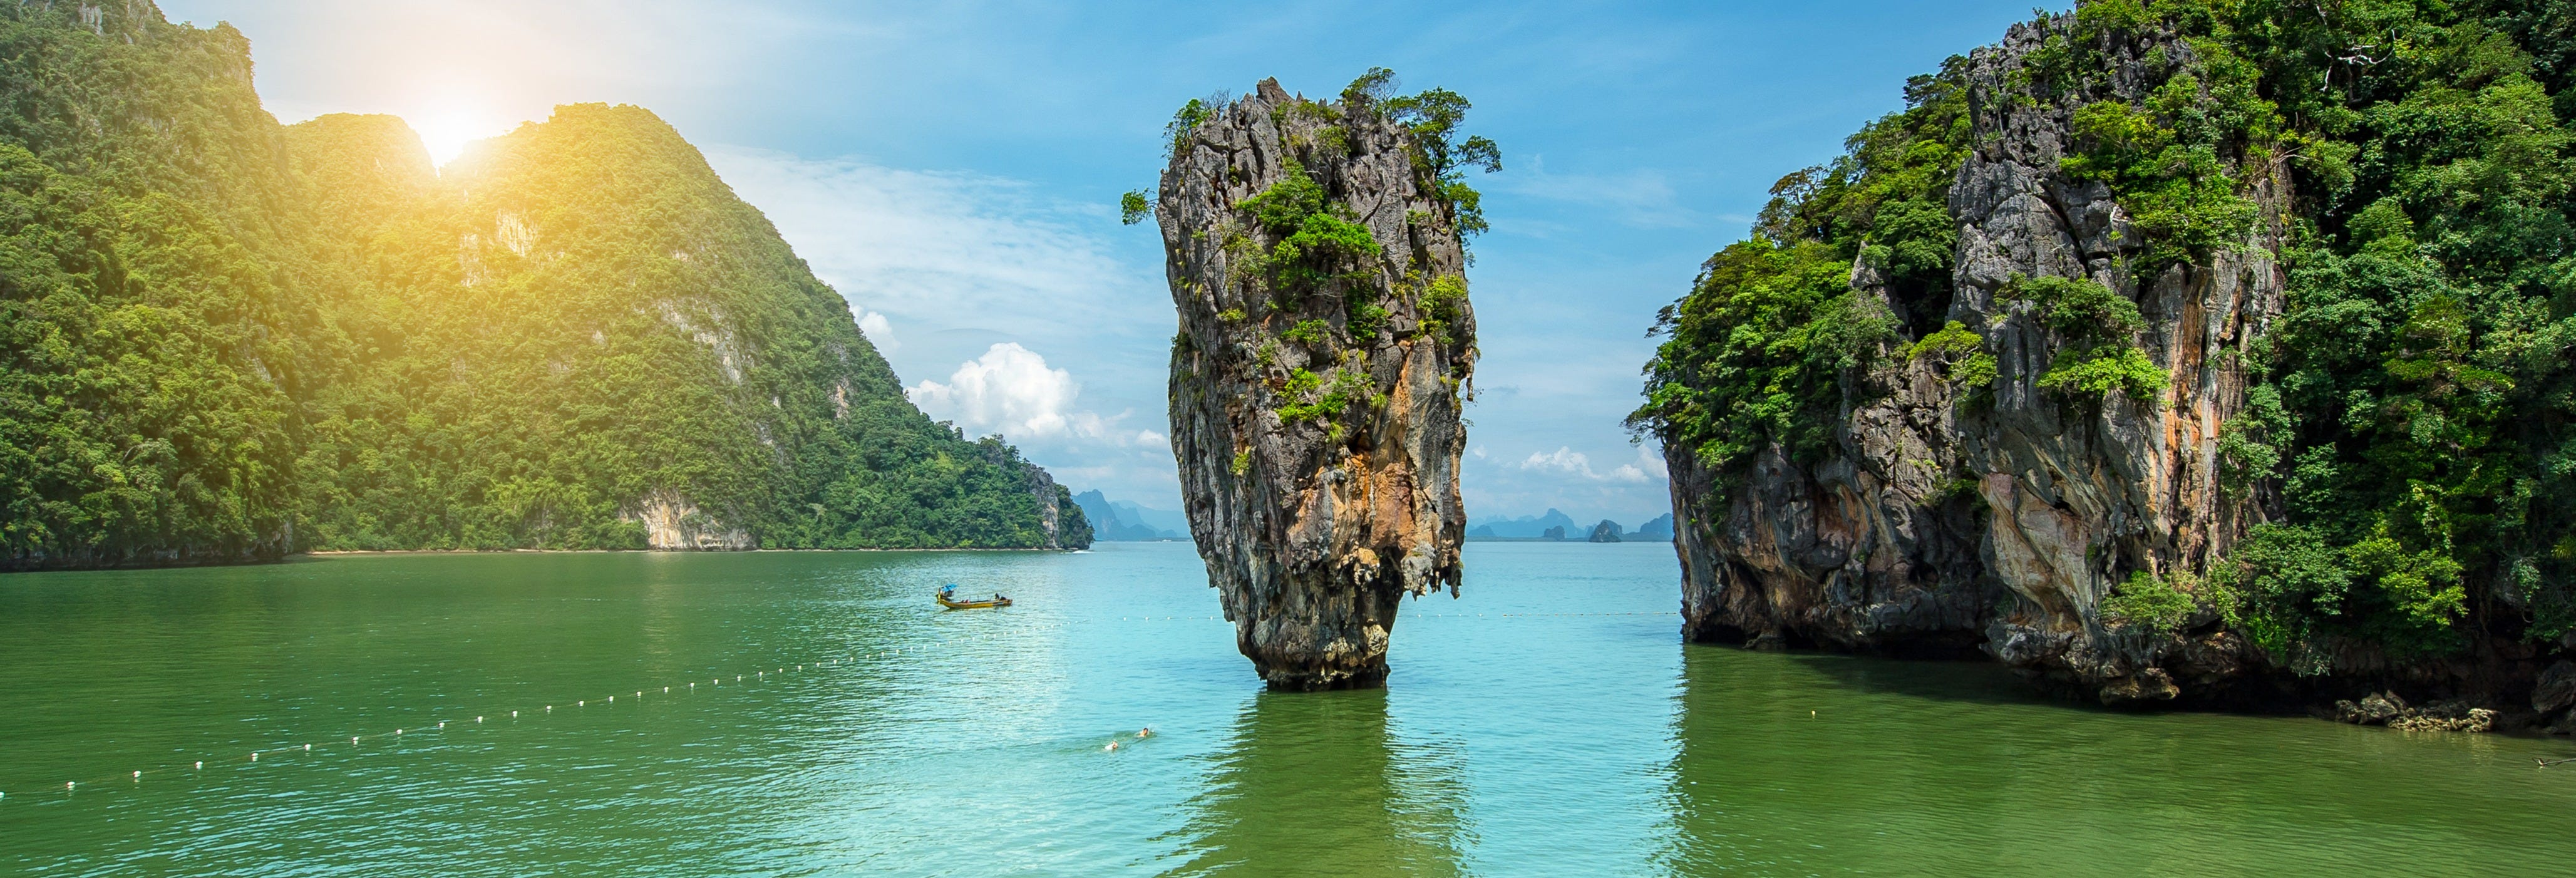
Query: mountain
x,y
1526,527
228,339
2164,351
1127,522
1657,528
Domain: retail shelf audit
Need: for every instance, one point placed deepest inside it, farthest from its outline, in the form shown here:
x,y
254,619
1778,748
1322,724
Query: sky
x,y
953,170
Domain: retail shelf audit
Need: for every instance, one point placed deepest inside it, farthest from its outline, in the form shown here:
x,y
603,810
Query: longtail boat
x,y
946,600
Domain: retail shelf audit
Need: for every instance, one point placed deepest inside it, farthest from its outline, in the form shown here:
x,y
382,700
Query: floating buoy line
x,y
251,757
246,758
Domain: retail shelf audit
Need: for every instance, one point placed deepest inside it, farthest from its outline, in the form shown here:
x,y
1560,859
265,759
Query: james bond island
x,y
2145,446
1315,249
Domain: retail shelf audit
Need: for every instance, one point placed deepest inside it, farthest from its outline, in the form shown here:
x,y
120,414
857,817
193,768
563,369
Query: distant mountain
x,y
1123,521
1525,527
1605,532
1658,528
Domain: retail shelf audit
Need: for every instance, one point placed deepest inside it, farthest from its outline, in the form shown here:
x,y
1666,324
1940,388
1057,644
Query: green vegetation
x,y
1321,242
1969,365
1439,151
2410,430
226,339
2096,324
1755,352
2150,603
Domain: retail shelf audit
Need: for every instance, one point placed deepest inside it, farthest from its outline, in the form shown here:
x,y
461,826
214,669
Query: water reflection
x,y
1315,784
1835,764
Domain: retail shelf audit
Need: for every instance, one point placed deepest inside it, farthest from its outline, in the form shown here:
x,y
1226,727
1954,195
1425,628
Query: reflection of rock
x,y
1316,382
1311,785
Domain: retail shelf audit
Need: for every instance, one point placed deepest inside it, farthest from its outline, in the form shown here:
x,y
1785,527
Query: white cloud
x,y
1567,461
1012,391
880,333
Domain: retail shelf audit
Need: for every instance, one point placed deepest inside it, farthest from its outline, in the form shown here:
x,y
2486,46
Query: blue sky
x,y
951,169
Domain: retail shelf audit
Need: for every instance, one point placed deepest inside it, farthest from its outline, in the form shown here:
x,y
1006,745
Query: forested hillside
x,y
228,339
2163,346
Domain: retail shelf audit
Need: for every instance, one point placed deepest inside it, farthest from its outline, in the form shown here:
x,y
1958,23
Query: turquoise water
x,y
1548,723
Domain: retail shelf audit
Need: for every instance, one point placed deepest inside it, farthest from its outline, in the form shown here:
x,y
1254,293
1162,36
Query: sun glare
x,y
447,132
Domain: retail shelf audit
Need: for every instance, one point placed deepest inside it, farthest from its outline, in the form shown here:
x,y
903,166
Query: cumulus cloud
x,y
1012,391
880,332
1569,462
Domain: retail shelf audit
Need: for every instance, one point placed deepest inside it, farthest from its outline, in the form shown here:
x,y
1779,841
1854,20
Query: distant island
x,y
1558,526
1124,521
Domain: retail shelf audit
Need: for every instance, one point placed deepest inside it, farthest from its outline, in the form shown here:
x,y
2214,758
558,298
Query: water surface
x,y
1548,723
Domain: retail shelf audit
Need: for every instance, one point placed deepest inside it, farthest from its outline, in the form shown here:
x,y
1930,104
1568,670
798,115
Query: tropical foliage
x,y
226,339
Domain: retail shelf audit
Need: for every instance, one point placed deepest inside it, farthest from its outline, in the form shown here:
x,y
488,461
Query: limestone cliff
x,y
1325,340
2102,360
1936,526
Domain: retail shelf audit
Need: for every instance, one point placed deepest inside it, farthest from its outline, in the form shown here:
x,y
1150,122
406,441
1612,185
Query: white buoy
x,y
201,763
397,731
138,775
352,739
515,714
478,719
442,724
70,783
308,748
254,756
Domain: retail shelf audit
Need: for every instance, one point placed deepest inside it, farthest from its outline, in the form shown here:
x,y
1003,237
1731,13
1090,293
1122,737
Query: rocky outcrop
x,y
2386,709
1325,339
672,522
1939,523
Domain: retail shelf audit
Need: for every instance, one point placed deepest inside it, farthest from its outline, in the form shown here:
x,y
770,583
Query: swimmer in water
x,y
1113,745
1146,732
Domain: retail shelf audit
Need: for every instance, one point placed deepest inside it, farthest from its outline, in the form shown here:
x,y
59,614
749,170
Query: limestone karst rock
x,y
1931,522
1325,343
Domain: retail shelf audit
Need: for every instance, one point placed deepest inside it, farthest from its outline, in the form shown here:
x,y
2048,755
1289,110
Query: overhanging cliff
x,y
1325,342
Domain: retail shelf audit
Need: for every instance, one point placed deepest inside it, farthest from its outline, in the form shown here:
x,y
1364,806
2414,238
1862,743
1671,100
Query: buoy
x,y
308,748
515,714
352,739
397,731
69,784
254,756
138,775
201,763
442,724
478,719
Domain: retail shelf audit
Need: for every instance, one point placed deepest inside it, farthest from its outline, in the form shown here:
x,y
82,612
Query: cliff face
x,y
1936,526
1324,340
2162,359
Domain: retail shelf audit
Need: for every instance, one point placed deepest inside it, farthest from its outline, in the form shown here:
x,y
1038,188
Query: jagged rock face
x,y
1315,420
1937,527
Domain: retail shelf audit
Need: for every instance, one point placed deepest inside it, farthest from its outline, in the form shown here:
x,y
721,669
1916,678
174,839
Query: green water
x,y
1513,738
